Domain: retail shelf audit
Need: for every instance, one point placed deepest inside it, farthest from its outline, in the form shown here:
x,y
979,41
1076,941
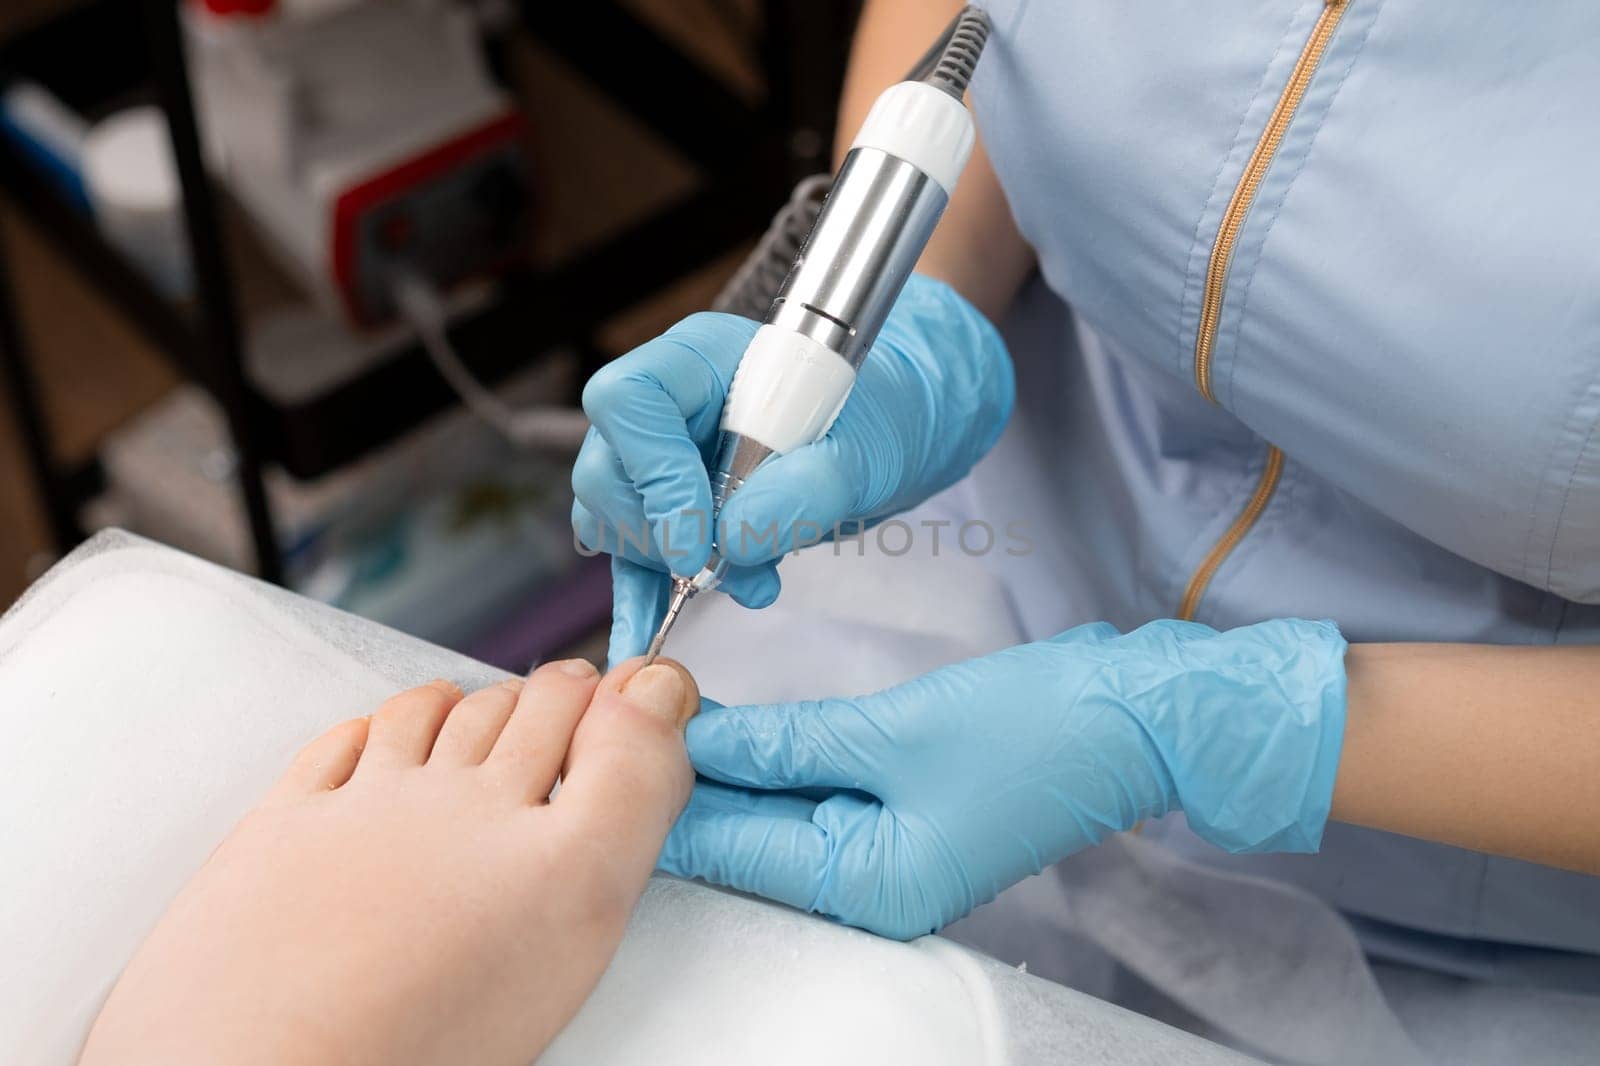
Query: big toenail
x,y
579,668
657,689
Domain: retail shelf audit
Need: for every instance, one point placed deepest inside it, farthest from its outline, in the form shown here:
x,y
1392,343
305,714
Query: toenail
x,y
657,689
513,684
449,688
580,668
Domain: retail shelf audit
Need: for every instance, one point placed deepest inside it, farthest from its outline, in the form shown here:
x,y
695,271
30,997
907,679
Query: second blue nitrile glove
x,y
930,400
950,788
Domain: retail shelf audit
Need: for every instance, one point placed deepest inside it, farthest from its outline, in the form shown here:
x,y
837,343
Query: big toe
x,y
627,772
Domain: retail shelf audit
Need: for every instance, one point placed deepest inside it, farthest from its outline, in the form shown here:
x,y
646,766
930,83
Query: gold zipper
x,y
1236,532
1244,195
1205,340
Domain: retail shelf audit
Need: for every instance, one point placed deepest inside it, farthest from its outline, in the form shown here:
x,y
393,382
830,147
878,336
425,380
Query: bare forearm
x,y
976,249
1491,748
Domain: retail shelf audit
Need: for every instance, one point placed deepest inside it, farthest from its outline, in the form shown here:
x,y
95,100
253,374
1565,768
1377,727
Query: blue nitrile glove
x,y
930,400
954,786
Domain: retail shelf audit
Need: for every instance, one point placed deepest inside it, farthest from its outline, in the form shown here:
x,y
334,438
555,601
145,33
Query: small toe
x,y
534,742
474,725
403,729
325,763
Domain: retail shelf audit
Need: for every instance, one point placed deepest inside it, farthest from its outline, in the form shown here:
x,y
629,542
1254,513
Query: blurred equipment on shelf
x,y
49,133
132,184
445,534
118,170
366,140
372,147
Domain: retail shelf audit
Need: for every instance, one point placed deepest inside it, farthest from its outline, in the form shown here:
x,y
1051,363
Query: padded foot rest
x,y
149,699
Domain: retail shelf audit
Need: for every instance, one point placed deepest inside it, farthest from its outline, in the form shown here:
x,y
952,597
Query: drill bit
x,y
682,590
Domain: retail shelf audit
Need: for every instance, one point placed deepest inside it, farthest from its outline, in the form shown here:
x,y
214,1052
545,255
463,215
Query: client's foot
x,y
405,894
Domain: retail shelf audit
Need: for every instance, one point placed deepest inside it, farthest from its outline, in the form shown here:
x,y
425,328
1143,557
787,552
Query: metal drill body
x,y
872,229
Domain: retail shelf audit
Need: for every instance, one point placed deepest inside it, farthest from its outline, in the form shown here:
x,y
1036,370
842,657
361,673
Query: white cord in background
x,y
560,429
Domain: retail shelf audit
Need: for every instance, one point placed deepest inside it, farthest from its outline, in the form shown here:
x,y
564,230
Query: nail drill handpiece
x,y
889,194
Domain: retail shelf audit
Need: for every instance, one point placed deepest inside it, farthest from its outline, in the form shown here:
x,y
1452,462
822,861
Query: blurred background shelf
x,y
664,135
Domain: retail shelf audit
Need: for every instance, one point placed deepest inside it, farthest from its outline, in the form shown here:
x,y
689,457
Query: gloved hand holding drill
x,y
928,402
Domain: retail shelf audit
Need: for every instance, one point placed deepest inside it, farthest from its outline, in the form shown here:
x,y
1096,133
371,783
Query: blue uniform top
x,y
1373,223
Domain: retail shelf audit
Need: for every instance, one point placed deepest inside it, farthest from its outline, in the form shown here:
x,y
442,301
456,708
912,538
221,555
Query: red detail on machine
x,y
239,7
357,201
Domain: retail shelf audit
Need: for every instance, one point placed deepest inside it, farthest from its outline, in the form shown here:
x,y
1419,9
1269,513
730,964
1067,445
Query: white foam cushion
x,y
147,700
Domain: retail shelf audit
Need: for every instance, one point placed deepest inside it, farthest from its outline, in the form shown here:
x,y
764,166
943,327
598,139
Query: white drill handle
x,y
787,391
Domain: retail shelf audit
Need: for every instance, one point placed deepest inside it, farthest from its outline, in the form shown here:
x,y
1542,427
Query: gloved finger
x,y
752,586
638,603
657,407
660,460
586,530
608,512
940,362
857,471
862,888
608,516
757,844
640,593
828,743
714,798
596,534
765,844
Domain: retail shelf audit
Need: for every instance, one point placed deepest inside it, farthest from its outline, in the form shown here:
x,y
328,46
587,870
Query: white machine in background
x,y
365,138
